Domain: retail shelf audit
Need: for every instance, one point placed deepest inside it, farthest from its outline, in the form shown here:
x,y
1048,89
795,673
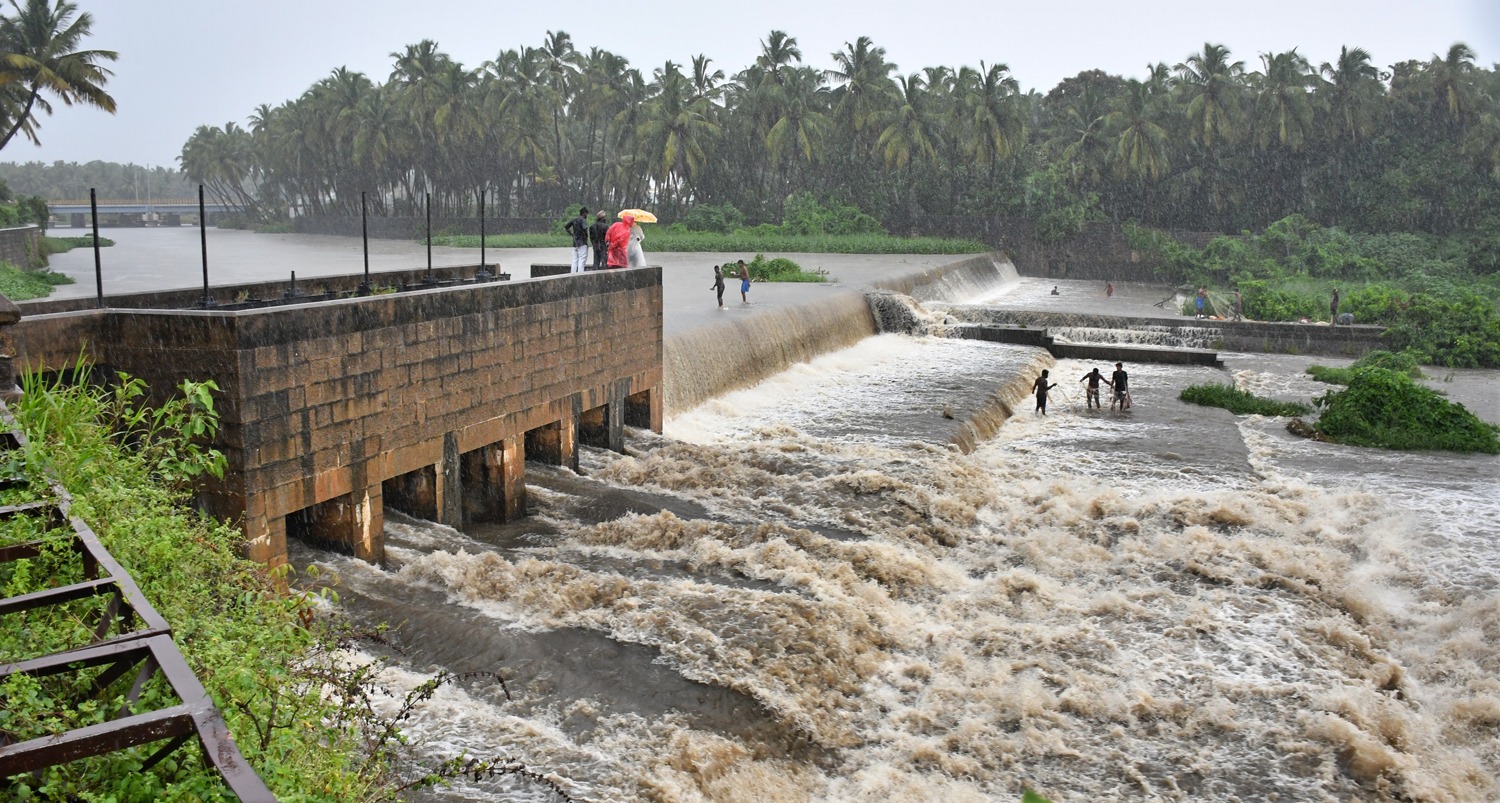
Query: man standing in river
x,y
1094,378
1120,381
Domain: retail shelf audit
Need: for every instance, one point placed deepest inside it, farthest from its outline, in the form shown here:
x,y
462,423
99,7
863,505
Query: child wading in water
x,y
1041,391
718,285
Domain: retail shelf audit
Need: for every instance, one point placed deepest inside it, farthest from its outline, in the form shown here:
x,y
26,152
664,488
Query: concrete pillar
x,y
494,482
450,499
416,492
77,220
554,443
173,219
265,540
352,523
643,410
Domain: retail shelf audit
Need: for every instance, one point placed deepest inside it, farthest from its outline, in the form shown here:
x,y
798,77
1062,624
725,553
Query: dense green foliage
x,y
780,269
746,241
1437,295
111,181
1388,409
1238,401
1403,362
128,467
21,285
1201,142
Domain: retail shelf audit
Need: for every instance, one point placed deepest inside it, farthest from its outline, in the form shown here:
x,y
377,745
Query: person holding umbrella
x,y
635,255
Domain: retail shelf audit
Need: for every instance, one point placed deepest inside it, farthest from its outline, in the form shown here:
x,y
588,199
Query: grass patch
x,y
1239,402
747,241
1387,409
62,245
1402,362
781,269
23,285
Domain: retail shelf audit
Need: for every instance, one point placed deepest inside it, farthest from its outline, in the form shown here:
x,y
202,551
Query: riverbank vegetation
x,y
1436,294
20,285
302,713
1238,401
1402,362
1390,410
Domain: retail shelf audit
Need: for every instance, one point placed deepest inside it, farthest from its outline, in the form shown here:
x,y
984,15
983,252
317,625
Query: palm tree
x,y
1283,105
40,54
1450,83
1141,148
802,123
674,132
1351,90
1211,88
864,85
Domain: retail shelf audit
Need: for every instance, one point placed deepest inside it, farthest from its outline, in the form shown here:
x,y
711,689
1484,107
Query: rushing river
x,y
800,593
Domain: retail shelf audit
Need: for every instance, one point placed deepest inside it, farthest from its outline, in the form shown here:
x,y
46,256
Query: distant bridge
x,y
182,206
166,211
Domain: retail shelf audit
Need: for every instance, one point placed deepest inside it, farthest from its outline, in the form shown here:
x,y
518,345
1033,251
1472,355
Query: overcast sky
x,y
185,63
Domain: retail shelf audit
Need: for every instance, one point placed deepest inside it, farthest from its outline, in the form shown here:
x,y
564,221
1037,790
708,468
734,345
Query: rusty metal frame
x,y
128,635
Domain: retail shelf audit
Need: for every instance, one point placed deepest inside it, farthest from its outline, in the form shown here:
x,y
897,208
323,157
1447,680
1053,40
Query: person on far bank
x,y
579,228
1120,382
1333,308
617,239
1094,378
744,275
1109,289
596,238
1239,307
1042,387
1201,300
718,285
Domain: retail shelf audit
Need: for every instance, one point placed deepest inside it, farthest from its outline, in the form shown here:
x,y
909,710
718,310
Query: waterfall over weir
x,y
708,361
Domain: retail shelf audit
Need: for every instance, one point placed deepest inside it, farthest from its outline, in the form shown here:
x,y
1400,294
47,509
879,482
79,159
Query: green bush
x,y
256,650
718,219
1403,362
781,269
1387,409
22,285
1238,401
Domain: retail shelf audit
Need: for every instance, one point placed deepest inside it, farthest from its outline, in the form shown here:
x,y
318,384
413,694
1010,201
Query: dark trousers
x,y
599,254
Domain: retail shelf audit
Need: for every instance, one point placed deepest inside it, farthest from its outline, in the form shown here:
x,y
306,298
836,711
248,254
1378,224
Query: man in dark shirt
x,y
1120,381
579,228
596,239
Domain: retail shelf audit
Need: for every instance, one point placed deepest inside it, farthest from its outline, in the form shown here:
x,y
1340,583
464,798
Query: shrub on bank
x,y
257,651
21,285
1387,409
1403,362
1238,401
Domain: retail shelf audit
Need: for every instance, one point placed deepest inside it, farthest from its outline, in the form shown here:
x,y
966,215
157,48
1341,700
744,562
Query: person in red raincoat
x,y
618,240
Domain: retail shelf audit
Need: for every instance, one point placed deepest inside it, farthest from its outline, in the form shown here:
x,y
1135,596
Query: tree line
x,y
1207,143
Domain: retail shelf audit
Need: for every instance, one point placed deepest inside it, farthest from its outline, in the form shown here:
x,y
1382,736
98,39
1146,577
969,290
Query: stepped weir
x,y
431,399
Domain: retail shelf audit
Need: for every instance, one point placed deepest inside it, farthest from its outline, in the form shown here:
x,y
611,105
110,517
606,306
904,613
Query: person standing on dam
x,y
596,238
579,228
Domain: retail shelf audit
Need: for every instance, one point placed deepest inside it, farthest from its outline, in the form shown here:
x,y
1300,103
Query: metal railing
x,y
127,635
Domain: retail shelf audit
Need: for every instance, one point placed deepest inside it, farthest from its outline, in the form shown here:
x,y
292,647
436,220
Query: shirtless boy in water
x,y
1094,378
1120,381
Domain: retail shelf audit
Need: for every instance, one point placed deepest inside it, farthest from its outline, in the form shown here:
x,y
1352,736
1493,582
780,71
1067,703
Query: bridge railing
x,y
126,635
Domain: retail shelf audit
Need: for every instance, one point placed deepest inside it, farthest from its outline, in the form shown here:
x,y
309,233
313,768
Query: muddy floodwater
x,y
801,593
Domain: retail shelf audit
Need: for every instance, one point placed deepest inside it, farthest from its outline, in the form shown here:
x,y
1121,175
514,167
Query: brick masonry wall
x,y
20,246
321,399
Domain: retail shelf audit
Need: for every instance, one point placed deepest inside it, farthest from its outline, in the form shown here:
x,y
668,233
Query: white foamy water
x,y
803,593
